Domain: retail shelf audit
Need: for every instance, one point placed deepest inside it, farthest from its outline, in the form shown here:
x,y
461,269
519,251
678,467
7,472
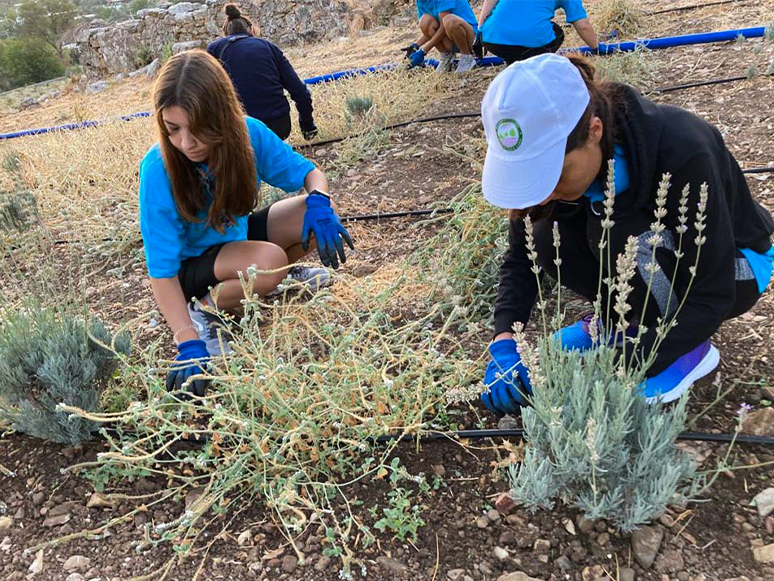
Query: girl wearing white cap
x,y
551,128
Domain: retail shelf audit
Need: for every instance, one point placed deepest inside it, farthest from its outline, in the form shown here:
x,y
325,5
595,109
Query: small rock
x,y
29,103
764,554
517,576
670,561
603,539
97,87
56,521
493,515
542,546
289,563
645,544
77,563
482,522
507,422
625,574
593,573
75,577
37,565
563,563
764,502
759,423
505,503
584,525
501,553
63,508
244,537
391,565
38,498
439,470
322,563
569,526
455,574
507,538
6,522
98,500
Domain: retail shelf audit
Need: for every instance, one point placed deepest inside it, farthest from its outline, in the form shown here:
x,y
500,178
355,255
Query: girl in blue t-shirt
x,y
198,193
516,30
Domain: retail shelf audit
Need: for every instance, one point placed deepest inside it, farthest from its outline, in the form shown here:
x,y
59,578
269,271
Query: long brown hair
x,y
195,81
235,22
604,101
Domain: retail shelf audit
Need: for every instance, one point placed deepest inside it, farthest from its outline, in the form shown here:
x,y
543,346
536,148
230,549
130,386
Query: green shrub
x,y
592,440
50,357
27,61
143,57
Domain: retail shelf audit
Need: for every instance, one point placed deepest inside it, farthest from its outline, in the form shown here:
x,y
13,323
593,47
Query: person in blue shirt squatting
x,y
448,25
551,128
261,74
198,192
516,30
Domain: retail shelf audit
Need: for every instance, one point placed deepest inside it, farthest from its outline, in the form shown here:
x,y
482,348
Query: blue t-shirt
x,y
762,266
169,239
527,22
459,8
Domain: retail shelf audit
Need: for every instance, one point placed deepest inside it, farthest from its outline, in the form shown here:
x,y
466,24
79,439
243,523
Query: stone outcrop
x,y
125,46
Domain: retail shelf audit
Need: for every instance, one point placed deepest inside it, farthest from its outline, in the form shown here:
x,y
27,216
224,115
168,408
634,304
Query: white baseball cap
x,y
529,110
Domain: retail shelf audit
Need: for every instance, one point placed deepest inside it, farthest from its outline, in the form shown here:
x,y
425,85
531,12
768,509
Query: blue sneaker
x,y
675,380
577,337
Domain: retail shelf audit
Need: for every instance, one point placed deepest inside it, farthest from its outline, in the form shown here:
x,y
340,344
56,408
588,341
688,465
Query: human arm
x,y
587,33
517,290
173,306
297,89
486,11
316,180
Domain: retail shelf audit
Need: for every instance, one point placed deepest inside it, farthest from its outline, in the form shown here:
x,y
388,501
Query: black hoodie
x,y
659,139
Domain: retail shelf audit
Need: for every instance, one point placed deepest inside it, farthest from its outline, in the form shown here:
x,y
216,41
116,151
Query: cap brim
x,y
517,185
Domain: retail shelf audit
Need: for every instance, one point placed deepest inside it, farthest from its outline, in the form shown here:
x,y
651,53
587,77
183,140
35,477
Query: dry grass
x,y
620,16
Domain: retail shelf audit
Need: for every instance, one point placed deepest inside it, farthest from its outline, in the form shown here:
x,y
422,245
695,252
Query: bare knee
x,y
268,257
428,25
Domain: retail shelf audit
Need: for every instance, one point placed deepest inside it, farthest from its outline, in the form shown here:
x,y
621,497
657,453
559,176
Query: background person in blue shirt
x,y
516,30
448,25
198,193
261,74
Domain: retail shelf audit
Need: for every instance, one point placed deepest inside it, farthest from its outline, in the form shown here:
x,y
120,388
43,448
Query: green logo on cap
x,y
509,134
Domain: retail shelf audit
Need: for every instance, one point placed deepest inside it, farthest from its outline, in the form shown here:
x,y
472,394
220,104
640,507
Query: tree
x,y
26,61
47,20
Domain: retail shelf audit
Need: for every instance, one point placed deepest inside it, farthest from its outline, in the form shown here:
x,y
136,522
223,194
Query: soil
x,y
463,538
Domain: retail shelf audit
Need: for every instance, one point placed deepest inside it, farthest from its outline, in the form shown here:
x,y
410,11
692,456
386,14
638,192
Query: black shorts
x,y
512,53
197,275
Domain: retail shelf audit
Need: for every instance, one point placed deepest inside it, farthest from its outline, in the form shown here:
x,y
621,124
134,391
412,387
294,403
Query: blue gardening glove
x,y
417,59
410,49
321,220
192,360
506,379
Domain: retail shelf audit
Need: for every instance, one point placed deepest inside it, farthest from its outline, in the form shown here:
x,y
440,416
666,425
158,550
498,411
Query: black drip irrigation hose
x,y
706,83
517,434
694,6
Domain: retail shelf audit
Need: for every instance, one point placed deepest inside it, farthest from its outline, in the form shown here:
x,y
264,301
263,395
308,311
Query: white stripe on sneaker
x,y
706,365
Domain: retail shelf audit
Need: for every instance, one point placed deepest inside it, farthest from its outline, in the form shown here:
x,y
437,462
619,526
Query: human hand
x,y
321,220
192,360
410,49
506,379
417,59
478,46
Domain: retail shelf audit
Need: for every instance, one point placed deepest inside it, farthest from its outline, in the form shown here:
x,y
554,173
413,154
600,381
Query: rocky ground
x,y
472,531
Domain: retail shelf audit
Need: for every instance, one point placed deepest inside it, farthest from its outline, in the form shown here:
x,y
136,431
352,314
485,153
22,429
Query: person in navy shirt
x,y
448,25
261,74
199,189
515,30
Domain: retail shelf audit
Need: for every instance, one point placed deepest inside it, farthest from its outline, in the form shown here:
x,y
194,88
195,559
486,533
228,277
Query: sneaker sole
x,y
705,367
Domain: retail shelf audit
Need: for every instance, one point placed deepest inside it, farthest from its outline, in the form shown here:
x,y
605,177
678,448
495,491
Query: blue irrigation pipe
x,y
653,44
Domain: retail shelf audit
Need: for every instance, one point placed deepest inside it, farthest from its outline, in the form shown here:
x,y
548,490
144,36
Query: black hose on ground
x,y
694,6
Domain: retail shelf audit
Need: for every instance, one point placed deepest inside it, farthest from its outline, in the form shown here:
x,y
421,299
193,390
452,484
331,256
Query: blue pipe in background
x,y
652,44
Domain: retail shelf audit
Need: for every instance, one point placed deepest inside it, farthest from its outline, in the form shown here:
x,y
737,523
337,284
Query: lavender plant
x,y
50,357
593,441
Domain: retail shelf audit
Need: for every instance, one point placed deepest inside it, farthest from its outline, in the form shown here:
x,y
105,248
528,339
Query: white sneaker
x,y
445,63
207,325
467,62
313,278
